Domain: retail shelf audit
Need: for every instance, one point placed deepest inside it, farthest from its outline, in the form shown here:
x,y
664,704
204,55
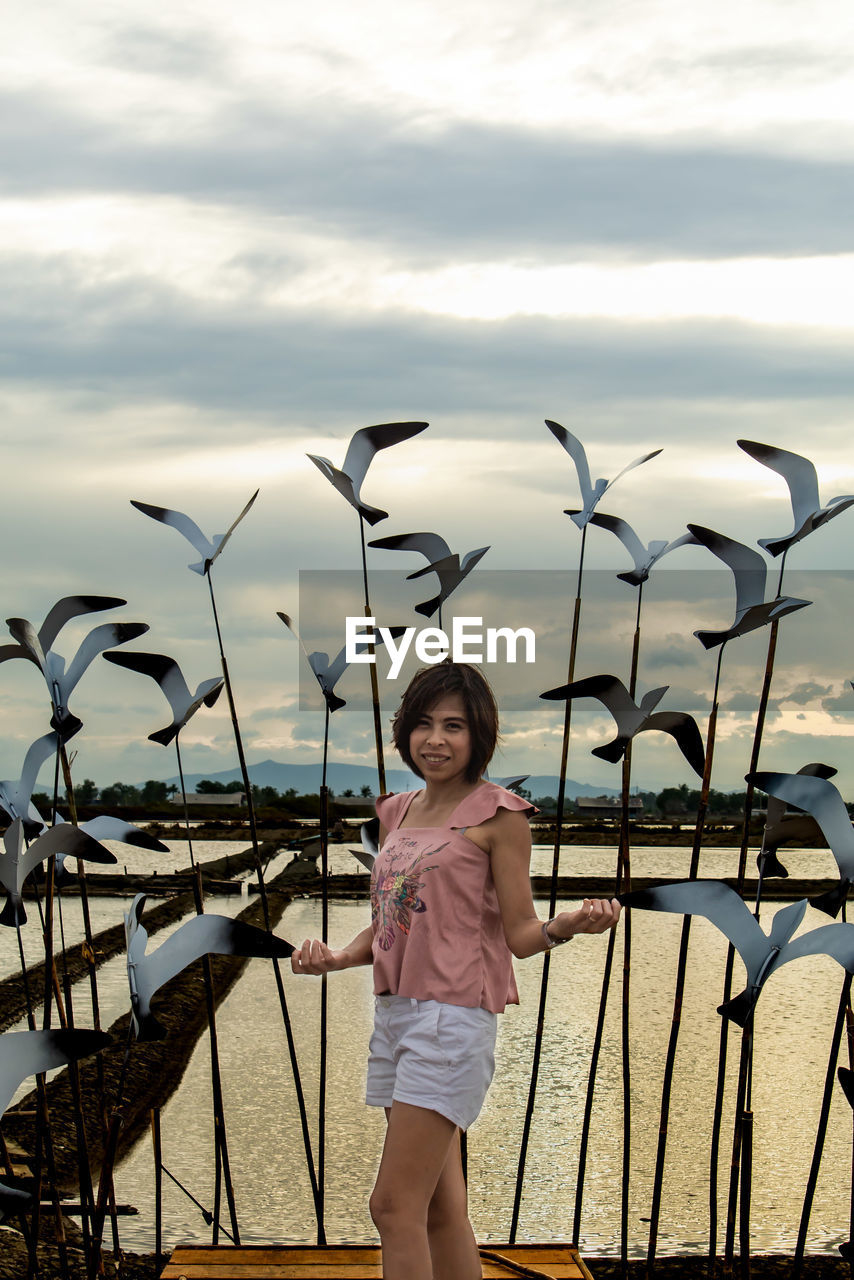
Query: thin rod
x,y
681,966
849,1029
746,1193
741,1111
158,1183
220,1139
206,1214
91,969
105,1182
587,1119
372,668
720,1085
324,990
87,1199
277,973
624,880
544,981
821,1133
185,804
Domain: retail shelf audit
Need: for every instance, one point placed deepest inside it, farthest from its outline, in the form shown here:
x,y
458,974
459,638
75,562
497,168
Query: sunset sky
x,y
232,235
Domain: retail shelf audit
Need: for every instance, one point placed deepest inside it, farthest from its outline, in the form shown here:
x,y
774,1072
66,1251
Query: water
x,y
793,1031
576,860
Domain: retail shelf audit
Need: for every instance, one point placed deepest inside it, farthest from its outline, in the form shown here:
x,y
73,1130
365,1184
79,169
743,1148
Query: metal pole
x,y
681,966
544,981
283,1004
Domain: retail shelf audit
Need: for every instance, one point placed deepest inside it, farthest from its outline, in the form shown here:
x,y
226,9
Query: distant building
x,y
607,806
230,799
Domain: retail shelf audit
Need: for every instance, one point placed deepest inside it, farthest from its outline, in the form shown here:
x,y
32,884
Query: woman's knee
x,y
390,1210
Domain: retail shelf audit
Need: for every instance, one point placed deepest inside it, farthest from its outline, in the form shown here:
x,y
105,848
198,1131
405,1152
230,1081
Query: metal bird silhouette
x,y
329,673
633,718
782,827
168,675
446,565
326,673
645,557
16,862
200,935
762,953
749,571
208,548
360,453
590,493
800,475
105,827
370,833
16,796
512,783
818,797
29,1053
36,647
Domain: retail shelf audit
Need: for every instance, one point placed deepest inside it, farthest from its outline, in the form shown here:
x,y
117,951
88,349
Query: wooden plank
x,y
349,1262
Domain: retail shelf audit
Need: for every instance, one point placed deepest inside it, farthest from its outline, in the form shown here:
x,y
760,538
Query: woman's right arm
x,y
315,957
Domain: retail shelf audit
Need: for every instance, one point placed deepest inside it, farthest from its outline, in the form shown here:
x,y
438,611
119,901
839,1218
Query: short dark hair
x,y
426,688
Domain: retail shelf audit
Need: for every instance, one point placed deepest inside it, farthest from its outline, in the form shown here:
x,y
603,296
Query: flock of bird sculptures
x,y
805,806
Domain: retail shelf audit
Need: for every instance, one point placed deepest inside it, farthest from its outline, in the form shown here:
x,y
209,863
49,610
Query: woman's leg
x,y
453,1247
417,1146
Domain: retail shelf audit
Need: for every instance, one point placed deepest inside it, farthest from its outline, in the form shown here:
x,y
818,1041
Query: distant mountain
x,y
305,778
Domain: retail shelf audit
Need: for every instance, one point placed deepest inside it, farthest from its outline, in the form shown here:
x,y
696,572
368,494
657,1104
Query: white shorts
x,y
433,1055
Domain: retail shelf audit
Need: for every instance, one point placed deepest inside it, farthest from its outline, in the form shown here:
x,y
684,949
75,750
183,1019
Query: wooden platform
x,y
356,1262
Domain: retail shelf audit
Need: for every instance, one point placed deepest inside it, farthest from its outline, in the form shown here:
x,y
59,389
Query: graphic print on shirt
x,y
394,893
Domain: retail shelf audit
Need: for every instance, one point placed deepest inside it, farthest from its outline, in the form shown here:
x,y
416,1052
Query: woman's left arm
x,y
509,846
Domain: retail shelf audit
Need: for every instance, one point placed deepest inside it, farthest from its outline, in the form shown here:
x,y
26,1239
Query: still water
x,y
793,1031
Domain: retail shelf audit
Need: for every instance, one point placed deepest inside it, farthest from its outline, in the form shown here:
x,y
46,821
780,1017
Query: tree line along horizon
x,y
669,802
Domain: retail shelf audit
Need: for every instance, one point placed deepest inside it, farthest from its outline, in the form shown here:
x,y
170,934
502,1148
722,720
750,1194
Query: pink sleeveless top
x,y
434,908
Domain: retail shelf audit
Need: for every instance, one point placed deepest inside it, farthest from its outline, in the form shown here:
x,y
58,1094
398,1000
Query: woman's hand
x,y
314,957
595,915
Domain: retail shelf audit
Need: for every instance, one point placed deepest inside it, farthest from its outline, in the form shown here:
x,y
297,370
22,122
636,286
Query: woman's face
x,y
440,743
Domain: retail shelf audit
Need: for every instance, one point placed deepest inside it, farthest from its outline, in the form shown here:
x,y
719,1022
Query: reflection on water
x,y
793,1032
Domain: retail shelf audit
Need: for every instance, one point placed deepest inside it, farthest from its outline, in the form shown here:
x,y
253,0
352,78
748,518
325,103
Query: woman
x,y
450,901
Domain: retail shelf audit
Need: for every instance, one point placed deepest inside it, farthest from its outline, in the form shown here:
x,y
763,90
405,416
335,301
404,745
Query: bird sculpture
x,y
645,557
633,718
591,493
326,673
512,783
749,571
168,675
29,1053
783,827
36,647
370,833
200,935
208,548
447,566
16,862
762,953
104,827
800,476
818,797
16,795
360,454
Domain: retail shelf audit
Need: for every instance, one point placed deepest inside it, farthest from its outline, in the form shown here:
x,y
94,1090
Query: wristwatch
x,y
548,939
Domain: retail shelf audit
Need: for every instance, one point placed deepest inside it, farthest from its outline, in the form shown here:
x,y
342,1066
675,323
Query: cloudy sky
x,y
232,235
